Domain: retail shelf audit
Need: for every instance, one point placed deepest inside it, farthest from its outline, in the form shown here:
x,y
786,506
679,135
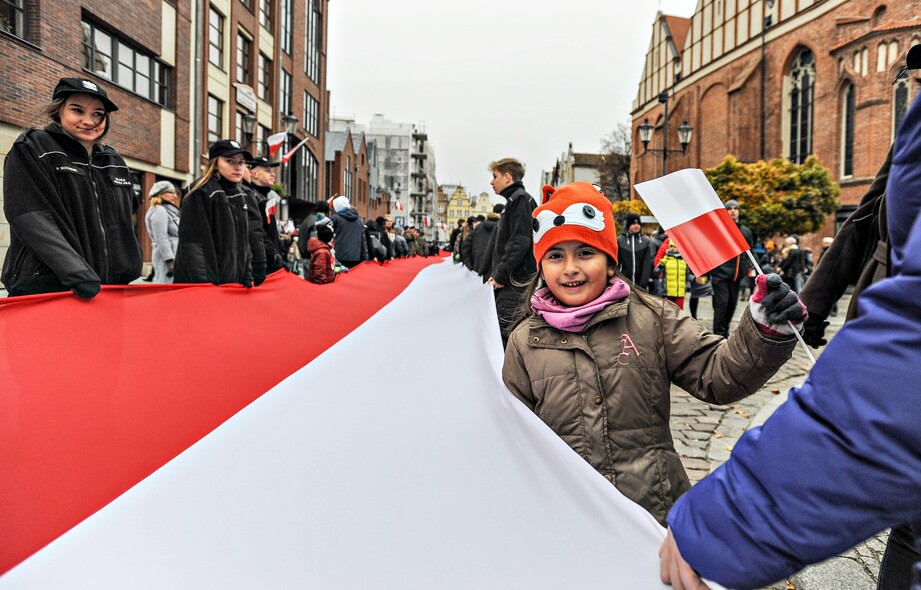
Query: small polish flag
x,y
690,211
397,205
270,205
290,152
427,221
275,141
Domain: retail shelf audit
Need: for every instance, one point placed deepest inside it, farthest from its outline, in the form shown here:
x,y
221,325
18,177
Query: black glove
x,y
814,332
258,279
248,283
773,304
86,289
169,268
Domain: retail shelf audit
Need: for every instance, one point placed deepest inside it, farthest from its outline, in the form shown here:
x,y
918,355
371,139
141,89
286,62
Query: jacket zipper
x,y
105,237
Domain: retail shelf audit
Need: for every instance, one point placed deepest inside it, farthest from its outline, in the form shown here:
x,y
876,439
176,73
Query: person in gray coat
x,y
162,221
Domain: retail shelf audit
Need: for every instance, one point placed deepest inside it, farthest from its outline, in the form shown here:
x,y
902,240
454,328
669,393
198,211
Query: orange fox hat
x,y
578,212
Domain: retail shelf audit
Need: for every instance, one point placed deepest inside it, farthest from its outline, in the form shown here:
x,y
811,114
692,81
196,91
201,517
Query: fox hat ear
x,y
547,191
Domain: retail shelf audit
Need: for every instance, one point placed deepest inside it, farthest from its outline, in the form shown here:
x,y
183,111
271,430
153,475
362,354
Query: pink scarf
x,y
574,319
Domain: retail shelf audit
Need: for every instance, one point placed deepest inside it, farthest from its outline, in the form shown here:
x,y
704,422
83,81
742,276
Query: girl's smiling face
x,y
83,117
575,273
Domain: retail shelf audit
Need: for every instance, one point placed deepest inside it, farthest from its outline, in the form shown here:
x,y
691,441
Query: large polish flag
x,y
688,208
275,141
351,435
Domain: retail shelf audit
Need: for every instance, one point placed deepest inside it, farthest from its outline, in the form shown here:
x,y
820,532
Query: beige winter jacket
x,y
606,391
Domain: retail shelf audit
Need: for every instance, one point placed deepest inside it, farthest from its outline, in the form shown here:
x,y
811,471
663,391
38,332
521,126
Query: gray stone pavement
x,y
704,436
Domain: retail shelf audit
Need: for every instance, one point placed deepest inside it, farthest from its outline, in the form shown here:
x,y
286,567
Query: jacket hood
x,y
349,214
314,244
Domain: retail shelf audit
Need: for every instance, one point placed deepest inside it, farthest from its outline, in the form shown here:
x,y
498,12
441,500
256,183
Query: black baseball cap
x,y
265,162
68,86
227,148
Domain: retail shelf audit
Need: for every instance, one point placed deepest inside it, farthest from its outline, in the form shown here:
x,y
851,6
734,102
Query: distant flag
x,y
427,221
270,205
290,152
690,211
275,142
397,205
444,227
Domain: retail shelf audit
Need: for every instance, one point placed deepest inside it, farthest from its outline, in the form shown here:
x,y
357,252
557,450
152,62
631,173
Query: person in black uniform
x,y
216,238
69,200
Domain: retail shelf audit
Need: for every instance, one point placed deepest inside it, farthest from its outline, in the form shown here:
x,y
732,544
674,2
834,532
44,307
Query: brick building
x,y
183,73
760,79
349,170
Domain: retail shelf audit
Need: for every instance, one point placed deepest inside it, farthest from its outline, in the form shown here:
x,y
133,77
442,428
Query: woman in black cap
x,y
216,236
69,200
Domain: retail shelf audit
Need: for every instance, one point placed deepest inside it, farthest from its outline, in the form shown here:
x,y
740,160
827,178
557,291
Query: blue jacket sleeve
x,y
841,460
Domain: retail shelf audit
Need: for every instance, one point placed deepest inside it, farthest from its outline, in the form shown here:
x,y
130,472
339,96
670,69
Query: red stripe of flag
x,y
708,240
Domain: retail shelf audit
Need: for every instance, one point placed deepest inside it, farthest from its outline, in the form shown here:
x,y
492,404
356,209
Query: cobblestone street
x,y
705,435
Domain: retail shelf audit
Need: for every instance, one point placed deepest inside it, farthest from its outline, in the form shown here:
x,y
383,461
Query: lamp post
x,y
684,136
768,21
249,126
290,122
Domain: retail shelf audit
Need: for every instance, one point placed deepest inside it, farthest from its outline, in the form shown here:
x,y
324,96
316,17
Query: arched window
x,y
800,101
848,110
900,103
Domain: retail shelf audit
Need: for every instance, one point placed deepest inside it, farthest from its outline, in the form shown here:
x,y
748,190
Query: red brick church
x,y
765,78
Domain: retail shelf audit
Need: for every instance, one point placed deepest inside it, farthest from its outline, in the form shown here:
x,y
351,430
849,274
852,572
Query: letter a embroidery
x,y
627,342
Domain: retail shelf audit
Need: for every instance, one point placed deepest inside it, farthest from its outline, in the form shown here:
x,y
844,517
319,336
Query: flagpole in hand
x,y
695,218
796,331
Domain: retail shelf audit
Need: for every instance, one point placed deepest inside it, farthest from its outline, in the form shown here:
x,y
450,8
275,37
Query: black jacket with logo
x,y
215,236
513,256
69,213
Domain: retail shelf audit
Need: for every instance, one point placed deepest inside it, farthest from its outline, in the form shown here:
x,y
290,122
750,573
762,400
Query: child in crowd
x,y
676,272
594,359
322,261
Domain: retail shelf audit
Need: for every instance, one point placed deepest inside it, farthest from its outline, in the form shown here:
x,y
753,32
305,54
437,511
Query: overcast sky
x,y
493,78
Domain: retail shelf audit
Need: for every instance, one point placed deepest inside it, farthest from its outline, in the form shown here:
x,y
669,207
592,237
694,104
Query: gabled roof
x,y
335,142
678,27
593,160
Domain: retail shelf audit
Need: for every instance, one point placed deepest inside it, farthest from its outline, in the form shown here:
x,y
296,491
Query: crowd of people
x,y
590,320
70,202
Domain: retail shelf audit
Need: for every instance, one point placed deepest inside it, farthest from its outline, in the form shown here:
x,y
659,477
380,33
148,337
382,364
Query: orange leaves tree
x,y
777,197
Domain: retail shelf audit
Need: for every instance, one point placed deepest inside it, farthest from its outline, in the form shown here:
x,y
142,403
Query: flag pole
x,y
795,330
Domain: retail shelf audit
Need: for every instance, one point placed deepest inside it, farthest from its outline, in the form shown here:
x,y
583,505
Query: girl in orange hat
x,y
595,359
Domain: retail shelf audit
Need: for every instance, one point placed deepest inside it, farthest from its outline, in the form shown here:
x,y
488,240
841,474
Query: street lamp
x,y
768,21
684,136
290,122
249,126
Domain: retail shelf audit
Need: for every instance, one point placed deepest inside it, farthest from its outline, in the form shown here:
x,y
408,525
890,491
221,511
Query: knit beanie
x,y
341,204
631,219
160,187
574,212
731,203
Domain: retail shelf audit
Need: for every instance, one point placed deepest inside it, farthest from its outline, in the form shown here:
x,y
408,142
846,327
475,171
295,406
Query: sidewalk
x,y
705,435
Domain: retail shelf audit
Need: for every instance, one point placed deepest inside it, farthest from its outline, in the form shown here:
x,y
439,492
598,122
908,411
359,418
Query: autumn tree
x,y
614,169
777,197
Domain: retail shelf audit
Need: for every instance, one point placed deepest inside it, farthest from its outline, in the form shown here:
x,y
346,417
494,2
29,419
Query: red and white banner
x,y
275,141
397,205
160,436
688,208
290,152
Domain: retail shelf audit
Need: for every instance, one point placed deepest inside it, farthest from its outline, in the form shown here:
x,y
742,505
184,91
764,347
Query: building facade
x,y
571,167
183,74
406,169
761,79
